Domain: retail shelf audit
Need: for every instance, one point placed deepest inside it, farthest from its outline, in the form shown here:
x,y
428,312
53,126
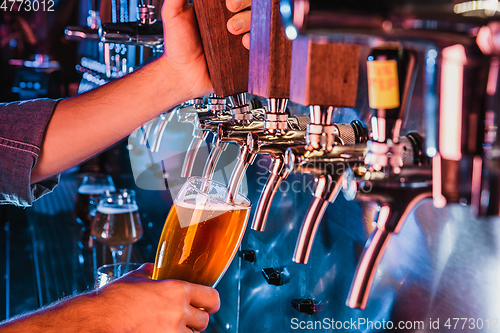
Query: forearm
x,y
75,314
86,124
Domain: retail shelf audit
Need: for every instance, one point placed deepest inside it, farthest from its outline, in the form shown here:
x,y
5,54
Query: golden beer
x,y
117,226
199,240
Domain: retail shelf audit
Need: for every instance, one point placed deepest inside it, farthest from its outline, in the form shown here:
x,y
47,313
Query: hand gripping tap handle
x,y
226,57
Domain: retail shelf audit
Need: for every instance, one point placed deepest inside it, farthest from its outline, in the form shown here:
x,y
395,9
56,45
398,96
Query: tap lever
x,y
227,58
270,63
270,52
324,73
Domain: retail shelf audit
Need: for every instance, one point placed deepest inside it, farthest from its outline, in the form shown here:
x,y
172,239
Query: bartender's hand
x,y
143,305
240,22
133,303
183,48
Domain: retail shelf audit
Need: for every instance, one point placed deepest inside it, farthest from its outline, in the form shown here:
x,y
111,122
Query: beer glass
x,y
108,273
87,198
117,222
201,234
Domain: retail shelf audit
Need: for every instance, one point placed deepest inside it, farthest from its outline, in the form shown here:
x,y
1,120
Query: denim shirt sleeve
x,y
22,126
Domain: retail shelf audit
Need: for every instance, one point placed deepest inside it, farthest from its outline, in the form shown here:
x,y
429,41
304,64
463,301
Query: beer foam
x,y
213,206
95,189
117,209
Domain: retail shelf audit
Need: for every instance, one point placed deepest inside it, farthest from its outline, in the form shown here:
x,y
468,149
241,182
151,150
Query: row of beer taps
x,y
378,165
348,157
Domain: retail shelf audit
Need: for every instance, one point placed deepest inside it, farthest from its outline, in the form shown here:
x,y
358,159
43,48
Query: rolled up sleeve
x,y
22,127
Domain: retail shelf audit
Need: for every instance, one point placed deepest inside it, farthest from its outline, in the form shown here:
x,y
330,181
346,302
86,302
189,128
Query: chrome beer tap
x,y
396,197
275,146
192,111
395,186
328,168
323,76
391,76
269,77
227,62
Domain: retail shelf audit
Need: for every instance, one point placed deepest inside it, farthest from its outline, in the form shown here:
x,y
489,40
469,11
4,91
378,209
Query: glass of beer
x,y
87,198
108,273
117,222
201,234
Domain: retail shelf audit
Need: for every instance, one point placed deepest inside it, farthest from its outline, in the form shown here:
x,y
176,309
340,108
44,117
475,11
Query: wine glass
x,y
201,234
117,222
87,198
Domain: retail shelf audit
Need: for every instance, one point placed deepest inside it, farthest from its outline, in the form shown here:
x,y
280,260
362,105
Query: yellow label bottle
x,y
383,84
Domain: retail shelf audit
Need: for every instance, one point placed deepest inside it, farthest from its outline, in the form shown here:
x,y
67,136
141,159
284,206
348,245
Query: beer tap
x,y
396,188
275,146
145,31
324,76
227,59
328,168
396,197
191,114
391,76
269,77
227,62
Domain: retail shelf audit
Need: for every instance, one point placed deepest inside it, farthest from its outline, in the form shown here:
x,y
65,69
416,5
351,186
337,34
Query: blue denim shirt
x,y
22,126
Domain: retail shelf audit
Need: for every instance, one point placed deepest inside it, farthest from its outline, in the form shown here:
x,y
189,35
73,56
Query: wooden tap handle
x,y
226,56
324,73
270,52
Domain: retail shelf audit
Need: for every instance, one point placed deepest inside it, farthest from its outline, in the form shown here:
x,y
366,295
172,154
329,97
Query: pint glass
x,y
201,234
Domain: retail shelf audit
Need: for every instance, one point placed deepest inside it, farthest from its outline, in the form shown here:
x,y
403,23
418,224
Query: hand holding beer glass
x,y
201,234
117,222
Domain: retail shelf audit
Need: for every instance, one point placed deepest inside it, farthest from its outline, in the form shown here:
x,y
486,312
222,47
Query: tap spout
x,y
245,158
160,129
278,173
199,137
327,189
396,201
217,149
